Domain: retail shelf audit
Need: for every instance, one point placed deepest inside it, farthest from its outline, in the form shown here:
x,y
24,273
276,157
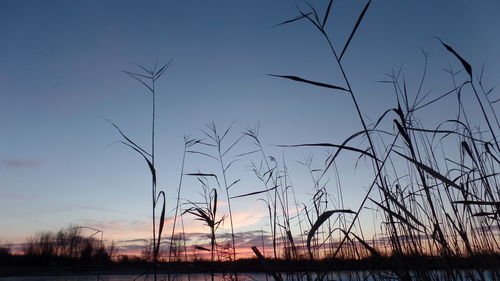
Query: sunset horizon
x,y
308,134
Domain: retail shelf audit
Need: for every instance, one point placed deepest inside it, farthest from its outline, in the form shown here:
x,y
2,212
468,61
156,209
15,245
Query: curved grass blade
x,y
321,219
319,84
233,183
466,147
150,72
162,70
202,153
215,202
459,88
486,146
204,175
316,23
136,74
396,215
337,153
466,65
481,203
162,221
276,275
446,132
484,214
247,153
381,118
401,207
315,13
372,250
327,13
200,214
254,193
232,145
150,165
360,18
138,79
340,147
433,173
290,239
403,133
292,20
201,175
128,139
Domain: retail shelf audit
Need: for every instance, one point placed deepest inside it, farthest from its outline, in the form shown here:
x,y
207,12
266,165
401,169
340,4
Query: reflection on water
x,y
161,277
341,275
183,277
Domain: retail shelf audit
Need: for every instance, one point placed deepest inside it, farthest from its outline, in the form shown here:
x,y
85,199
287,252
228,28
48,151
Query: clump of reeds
x,y
218,149
434,190
431,204
208,215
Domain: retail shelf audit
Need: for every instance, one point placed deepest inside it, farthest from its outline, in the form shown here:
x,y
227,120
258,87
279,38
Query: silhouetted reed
x,y
148,80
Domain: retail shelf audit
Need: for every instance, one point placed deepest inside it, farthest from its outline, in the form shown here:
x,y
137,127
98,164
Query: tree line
x,y
65,246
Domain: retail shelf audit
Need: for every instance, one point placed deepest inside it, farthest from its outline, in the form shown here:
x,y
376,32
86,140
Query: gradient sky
x,y
60,78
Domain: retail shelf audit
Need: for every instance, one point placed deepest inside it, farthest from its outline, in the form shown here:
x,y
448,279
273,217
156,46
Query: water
x,y
174,277
183,277
341,275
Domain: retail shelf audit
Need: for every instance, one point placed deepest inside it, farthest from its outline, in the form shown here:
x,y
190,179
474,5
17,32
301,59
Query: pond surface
x,y
333,276
173,277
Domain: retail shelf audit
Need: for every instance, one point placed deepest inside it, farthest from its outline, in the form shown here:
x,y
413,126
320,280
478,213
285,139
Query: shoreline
x,y
257,266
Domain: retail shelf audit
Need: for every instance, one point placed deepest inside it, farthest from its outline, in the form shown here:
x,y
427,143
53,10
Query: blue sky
x,y
60,78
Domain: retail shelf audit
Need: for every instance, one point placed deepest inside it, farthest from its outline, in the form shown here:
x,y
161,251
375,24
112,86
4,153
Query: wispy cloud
x,y
244,241
120,229
110,210
20,163
139,240
18,196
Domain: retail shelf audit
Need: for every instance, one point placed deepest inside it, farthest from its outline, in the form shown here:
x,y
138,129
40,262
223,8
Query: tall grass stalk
x,y
148,80
188,143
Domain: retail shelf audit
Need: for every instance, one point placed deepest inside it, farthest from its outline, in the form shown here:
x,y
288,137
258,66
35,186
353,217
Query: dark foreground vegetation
x,y
29,265
71,252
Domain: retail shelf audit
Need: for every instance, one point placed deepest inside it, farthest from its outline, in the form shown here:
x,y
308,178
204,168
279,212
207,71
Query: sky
x,y
61,79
